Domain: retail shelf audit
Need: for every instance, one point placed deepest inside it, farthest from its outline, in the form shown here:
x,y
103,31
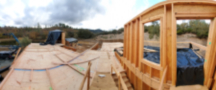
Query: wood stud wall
x,y
137,68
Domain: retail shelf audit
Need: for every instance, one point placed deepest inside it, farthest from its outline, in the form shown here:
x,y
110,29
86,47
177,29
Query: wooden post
x,y
168,38
63,38
125,33
209,65
86,75
119,83
140,47
174,59
162,79
164,41
89,73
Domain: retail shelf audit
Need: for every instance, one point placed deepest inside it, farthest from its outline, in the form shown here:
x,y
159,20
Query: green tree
x,y
85,34
25,41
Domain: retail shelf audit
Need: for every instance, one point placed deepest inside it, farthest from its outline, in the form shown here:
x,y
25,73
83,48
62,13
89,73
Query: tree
x,y
85,34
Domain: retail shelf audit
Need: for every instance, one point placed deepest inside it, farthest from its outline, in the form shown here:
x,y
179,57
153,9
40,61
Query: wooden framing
x,y
87,75
63,38
142,72
121,83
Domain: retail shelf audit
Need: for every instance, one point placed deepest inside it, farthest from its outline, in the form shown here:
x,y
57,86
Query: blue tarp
x,y
53,36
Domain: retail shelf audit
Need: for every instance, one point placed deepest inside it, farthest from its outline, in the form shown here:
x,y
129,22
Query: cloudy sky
x,y
93,14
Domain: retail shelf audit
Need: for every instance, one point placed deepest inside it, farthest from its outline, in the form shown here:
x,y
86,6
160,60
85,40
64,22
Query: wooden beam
x,y
154,83
76,69
199,45
174,54
208,51
151,64
122,83
163,42
211,57
50,79
182,15
162,80
85,76
153,18
63,38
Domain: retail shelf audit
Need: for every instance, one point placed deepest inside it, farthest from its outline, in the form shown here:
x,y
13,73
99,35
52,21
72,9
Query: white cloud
x,y
30,12
118,12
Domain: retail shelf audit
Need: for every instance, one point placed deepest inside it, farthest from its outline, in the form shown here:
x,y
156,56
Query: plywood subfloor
x,y
108,56
38,67
30,72
103,83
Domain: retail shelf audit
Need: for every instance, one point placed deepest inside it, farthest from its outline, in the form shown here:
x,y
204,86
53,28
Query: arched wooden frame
x,y
168,12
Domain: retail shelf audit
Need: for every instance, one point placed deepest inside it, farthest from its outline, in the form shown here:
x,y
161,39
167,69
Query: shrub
x,y
25,41
85,34
70,34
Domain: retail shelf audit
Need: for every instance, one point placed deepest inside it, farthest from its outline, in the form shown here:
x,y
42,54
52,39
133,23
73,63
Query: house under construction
x,y
134,65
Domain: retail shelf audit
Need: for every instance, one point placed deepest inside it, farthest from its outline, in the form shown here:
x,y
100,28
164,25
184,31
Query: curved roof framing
x,y
168,12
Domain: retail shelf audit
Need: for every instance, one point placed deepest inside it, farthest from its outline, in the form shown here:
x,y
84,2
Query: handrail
x,y
121,83
87,75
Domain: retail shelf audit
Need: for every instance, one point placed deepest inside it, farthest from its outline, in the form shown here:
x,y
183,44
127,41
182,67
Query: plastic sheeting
x,y
1,78
118,51
3,70
53,36
189,65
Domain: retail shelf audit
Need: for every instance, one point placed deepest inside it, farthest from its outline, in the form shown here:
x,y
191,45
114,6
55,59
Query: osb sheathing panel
x,y
25,75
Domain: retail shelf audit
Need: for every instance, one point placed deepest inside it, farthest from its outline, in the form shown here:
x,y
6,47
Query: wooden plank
x,y
209,51
128,42
185,2
164,41
212,58
152,64
184,15
124,86
199,45
76,69
174,54
85,76
162,80
125,33
88,78
168,41
63,38
153,18
50,79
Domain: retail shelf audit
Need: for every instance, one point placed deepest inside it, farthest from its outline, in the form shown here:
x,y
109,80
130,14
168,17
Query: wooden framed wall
x,y
142,72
